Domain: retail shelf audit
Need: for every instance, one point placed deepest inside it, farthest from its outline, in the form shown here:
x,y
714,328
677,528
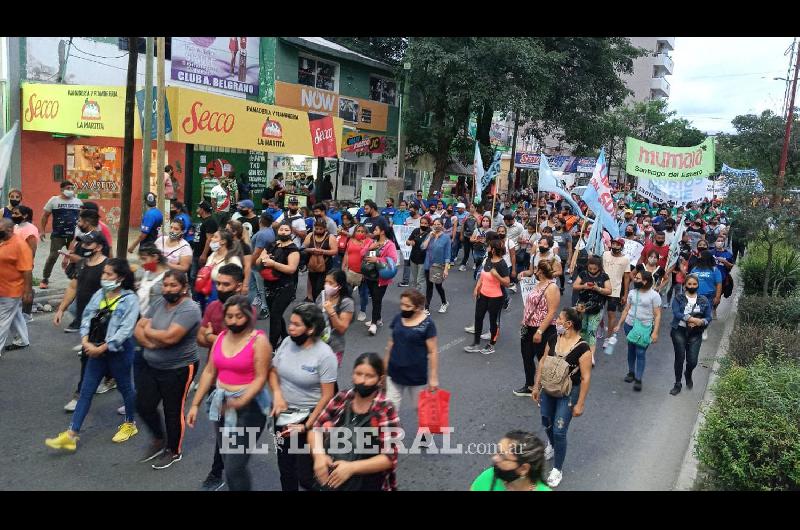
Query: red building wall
x,y
40,152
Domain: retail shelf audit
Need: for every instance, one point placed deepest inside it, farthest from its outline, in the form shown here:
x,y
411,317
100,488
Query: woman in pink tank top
x,y
238,365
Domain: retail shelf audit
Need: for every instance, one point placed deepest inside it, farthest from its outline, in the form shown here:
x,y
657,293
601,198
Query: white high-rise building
x,y
648,80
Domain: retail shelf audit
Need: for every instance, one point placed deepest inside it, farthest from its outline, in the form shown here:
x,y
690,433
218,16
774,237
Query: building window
x,y
377,170
349,174
383,90
316,73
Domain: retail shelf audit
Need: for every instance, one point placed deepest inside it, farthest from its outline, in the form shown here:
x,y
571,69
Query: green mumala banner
x,y
666,162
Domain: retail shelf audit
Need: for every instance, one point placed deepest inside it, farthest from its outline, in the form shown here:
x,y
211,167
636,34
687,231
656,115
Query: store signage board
x,y
226,63
362,113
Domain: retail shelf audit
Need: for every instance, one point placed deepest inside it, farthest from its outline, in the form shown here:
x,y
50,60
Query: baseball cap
x,y
93,237
293,200
461,205
247,203
150,199
628,210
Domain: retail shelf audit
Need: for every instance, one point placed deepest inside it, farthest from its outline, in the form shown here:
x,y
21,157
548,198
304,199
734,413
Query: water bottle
x,y
610,343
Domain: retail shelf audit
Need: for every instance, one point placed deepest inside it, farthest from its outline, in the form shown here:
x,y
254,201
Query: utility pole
x,y
127,151
160,127
147,137
776,197
513,153
401,140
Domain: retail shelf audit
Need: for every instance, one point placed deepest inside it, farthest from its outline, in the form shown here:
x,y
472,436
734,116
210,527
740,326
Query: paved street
x,y
624,441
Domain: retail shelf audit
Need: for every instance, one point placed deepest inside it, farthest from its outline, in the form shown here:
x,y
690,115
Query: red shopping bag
x,y
434,410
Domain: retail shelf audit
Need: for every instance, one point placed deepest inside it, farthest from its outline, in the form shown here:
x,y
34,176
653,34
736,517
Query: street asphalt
x,y
625,440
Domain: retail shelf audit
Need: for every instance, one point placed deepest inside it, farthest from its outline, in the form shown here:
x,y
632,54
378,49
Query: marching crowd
x,y
185,325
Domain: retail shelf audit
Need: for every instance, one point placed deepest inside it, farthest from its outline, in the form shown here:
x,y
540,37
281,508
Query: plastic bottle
x,y
610,343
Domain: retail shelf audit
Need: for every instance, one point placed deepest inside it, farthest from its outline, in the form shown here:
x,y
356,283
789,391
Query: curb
x,y
688,472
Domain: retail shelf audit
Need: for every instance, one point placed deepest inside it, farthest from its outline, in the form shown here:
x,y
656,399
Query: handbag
x,y
203,282
437,274
639,333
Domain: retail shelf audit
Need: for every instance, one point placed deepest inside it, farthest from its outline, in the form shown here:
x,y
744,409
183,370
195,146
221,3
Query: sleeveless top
x,y
536,307
239,369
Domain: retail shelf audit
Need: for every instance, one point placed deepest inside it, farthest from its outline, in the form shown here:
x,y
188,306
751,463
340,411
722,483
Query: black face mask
x,y
424,228
506,475
17,219
223,296
87,252
292,210
14,202
638,285
690,290
300,340
284,237
237,328
659,244
544,250
172,297
407,314
364,390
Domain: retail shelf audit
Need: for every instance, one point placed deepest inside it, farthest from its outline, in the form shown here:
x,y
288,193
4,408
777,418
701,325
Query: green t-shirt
x,y
485,480
637,207
206,185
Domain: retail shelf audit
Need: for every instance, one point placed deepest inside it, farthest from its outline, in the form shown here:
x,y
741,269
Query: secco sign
x,y
664,162
81,110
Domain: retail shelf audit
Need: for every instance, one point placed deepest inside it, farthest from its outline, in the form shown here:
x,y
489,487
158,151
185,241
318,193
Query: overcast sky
x,y
718,78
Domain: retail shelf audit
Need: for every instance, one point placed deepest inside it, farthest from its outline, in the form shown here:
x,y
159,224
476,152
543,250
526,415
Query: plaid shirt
x,y
384,416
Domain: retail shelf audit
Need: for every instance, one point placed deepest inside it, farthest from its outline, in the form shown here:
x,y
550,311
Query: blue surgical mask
x,y
109,285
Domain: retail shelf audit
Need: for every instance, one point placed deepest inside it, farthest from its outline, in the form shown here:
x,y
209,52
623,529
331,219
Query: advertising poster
x,y
252,164
356,142
364,114
663,162
227,63
95,171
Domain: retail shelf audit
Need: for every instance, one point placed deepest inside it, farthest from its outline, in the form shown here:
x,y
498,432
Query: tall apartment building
x,y
648,80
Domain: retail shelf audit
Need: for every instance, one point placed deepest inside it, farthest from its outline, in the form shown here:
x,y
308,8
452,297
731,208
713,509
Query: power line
x,y
731,75
99,56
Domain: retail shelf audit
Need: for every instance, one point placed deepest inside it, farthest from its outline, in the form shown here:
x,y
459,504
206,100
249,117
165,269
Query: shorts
x,y
589,328
613,304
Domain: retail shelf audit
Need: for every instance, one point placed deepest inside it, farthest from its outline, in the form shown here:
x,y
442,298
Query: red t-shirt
x,y
663,252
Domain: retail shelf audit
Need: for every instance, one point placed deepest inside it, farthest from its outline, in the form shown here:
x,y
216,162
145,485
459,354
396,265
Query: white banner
x,y
677,191
402,233
633,249
6,148
526,286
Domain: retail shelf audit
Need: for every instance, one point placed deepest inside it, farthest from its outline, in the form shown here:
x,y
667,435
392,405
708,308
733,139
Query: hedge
x,y
770,311
785,275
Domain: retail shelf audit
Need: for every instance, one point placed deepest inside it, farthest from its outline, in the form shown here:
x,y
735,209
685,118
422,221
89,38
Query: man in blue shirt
x,y
389,211
401,214
725,259
177,210
334,213
419,202
274,211
151,223
261,240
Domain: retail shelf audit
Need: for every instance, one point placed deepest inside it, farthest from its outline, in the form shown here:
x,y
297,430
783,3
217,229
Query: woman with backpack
x,y
320,246
640,319
437,264
351,265
278,267
382,251
107,336
561,387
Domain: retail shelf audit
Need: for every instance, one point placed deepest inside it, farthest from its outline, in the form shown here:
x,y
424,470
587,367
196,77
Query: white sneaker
x,y
77,348
427,312
444,307
513,288
474,267
362,316
70,407
485,336
105,386
462,268
705,335
554,479
549,452
470,329
193,386
121,410
373,329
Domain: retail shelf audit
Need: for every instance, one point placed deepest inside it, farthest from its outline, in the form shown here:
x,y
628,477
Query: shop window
x,y
316,73
383,90
349,174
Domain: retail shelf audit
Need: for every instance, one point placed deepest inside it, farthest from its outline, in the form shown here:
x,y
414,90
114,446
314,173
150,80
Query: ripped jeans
x,y
556,415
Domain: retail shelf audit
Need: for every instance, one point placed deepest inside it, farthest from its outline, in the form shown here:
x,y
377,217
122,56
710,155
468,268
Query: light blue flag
x,y
594,243
492,172
598,196
549,182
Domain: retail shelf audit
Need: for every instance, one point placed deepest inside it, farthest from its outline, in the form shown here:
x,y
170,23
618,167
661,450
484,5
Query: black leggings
x,y
154,386
493,306
317,281
296,469
467,249
277,302
531,350
376,293
235,460
429,290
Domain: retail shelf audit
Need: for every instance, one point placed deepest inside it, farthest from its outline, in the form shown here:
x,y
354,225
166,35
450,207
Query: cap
x,y
293,200
247,203
461,205
93,237
150,199
628,210
620,240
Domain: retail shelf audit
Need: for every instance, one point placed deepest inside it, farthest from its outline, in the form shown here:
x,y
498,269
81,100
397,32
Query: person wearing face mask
x,y
478,240
643,310
174,247
64,209
617,266
694,257
14,200
249,219
351,265
488,296
417,258
150,275
389,211
709,276
152,220
437,249
337,307
518,465
302,382
593,286
320,247
381,250
363,406
558,411
235,376
81,288
562,239
628,221
691,314
167,332
22,217
725,262
177,210
16,288
658,245
107,338
278,266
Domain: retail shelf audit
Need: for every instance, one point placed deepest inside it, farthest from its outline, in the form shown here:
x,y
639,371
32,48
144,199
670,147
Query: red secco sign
x,y
323,137
41,108
208,121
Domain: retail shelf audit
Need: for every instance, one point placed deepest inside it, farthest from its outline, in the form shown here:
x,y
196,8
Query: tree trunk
x,y
485,125
441,159
768,270
127,150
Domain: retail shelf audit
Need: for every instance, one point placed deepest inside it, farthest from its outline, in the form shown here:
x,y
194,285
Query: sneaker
x,y
427,312
549,452
523,391
705,335
488,350
70,329
569,281
77,348
14,346
70,407
63,441
689,382
470,329
630,377
444,307
362,316
675,389
28,317
44,284
507,305
166,459
513,288
486,336
402,284
462,268
637,385
105,386
212,483
665,306
474,267
554,479
473,348
125,432
121,410
373,329
263,314
154,450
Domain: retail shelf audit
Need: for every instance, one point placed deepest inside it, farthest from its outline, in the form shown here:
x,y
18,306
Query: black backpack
x,y
470,223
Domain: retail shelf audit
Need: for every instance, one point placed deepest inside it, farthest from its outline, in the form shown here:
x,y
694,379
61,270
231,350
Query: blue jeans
x,y
556,415
255,290
363,294
455,247
636,356
120,364
336,262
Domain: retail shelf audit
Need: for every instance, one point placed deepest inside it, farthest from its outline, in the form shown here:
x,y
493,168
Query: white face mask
x,y
331,291
68,194
214,246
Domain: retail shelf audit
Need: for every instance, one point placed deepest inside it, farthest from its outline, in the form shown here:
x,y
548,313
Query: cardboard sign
x,y
402,233
526,286
633,249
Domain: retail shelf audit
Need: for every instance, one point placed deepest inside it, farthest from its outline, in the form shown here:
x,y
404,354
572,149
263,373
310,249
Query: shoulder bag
x,y
639,333
556,376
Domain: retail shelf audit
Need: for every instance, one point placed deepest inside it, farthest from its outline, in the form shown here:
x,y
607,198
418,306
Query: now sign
x,y
323,137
